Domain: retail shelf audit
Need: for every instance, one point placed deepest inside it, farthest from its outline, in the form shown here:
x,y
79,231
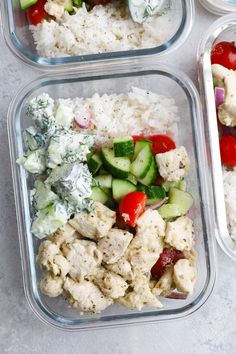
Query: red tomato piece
x,y
132,206
224,53
93,3
168,257
160,143
159,181
36,12
228,150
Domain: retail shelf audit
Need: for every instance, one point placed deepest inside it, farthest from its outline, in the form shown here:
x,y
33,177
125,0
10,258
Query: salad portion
x,y
223,58
76,27
111,208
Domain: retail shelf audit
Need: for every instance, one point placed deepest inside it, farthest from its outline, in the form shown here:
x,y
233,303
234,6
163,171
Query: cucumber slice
x,y
99,195
140,166
132,179
182,185
169,211
94,163
117,166
69,5
140,144
151,175
120,188
78,3
102,171
183,199
123,146
25,4
104,181
154,193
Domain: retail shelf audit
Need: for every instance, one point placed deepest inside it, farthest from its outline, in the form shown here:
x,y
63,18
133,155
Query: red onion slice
x,y
158,205
219,96
177,295
83,121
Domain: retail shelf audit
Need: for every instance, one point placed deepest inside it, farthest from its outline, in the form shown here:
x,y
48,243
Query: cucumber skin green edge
x,y
116,172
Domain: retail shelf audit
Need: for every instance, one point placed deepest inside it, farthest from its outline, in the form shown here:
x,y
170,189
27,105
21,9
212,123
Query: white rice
x,y
103,29
230,200
138,112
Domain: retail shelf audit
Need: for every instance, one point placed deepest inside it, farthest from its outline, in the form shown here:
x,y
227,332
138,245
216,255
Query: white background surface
x,y
212,329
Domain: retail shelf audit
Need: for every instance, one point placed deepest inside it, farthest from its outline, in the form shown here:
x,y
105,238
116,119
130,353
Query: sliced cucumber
x,y
120,188
123,146
154,193
139,145
99,195
69,5
117,166
25,4
104,181
78,3
183,199
132,179
94,163
151,175
102,171
169,211
181,184
140,166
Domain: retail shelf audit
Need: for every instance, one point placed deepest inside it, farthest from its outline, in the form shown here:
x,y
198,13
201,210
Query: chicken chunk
x,y
51,285
147,245
227,78
66,234
122,267
85,296
55,8
164,284
84,258
51,259
180,233
114,245
174,164
112,285
96,224
140,296
184,276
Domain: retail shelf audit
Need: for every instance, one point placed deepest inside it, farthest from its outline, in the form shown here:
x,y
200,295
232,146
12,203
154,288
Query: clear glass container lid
x,y
219,7
19,39
161,80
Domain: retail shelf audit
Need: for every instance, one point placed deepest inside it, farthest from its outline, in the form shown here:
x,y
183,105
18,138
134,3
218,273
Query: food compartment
x,y
219,7
220,128
190,134
172,31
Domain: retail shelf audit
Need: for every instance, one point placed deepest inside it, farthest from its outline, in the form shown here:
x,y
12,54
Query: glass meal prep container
x,y
219,7
223,29
161,80
20,40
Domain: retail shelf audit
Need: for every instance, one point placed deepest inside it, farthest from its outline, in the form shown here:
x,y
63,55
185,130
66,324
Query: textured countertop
x,y
212,329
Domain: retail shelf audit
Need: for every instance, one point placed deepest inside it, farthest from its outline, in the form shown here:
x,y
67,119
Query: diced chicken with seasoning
x,y
84,258
184,276
86,296
164,284
112,285
174,164
51,286
95,224
180,233
121,267
114,245
227,79
55,8
66,234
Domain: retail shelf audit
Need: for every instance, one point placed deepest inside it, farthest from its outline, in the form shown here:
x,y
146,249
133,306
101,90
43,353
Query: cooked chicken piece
x,y
174,164
140,296
51,285
151,222
84,258
55,8
180,233
226,78
112,285
85,296
51,259
66,234
184,276
164,284
122,267
114,245
96,224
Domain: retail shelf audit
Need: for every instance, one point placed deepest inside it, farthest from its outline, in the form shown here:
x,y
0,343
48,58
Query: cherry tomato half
x,y
132,206
228,150
36,12
160,143
224,53
168,257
